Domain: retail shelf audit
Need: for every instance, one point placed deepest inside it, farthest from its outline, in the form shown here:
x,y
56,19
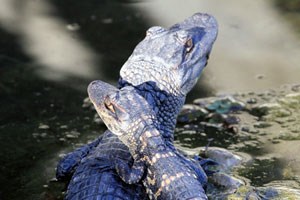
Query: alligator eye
x,y
109,106
189,45
155,30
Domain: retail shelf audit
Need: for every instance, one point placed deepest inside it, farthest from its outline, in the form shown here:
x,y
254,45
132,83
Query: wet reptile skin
x,y
129,116
163,68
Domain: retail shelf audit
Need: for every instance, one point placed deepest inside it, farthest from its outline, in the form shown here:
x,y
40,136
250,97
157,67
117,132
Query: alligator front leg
x,y
130,174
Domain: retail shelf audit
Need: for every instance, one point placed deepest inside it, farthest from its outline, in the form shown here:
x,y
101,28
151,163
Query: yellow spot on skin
x,y
150,181
179,175
148,134
168,181
154,160
164,176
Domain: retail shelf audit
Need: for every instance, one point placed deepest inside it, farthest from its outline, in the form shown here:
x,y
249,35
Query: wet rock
x,y
275,141
190,113
244,193
280,190
245,128
87,103
62,155
73,27
63,126
296,88
260,76
216,127
189,132
226,159
203,134
225,105
44,126
216,118
187,139
288,172
72,134
107,21
229,119
97,119
252,101
264,109
62,139
251,143
35,135
261,125
202,102
295,129
277,113
254,131
43,135
226,181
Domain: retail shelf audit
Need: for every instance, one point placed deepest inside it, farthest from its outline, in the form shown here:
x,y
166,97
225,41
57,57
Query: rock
x,y
73,27
64,127
261,125
87,103
216,118
97,119
190,113
280,190
223,157
225,105
265,108
43,135
260,76
44,126
252,101
224,180
72,134
244,193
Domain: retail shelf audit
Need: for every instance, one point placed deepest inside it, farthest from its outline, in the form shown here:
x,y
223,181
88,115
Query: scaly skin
x,y
129,116
163,68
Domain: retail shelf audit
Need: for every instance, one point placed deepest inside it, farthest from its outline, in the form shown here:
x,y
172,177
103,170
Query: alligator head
x,y
124,111
172,58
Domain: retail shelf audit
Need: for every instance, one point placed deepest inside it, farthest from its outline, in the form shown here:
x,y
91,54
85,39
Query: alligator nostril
x,y
94,82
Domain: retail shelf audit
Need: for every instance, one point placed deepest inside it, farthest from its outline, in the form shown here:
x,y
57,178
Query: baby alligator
x,y
163,68
129,116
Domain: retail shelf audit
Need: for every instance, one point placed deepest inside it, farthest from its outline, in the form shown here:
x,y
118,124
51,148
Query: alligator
x,y
163,68
130,117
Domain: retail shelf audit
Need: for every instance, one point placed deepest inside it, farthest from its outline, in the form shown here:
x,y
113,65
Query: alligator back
x,y
96,178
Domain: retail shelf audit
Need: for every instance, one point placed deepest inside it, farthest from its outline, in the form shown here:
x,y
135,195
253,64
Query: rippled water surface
x,y
50,50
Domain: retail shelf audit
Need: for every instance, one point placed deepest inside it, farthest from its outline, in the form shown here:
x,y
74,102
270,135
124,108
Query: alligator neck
x,y
166,106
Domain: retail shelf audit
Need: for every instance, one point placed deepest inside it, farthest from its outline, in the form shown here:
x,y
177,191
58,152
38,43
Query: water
x,y
50,50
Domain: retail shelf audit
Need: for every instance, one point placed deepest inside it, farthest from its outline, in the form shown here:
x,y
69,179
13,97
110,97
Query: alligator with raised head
x,y
163,68
129,116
